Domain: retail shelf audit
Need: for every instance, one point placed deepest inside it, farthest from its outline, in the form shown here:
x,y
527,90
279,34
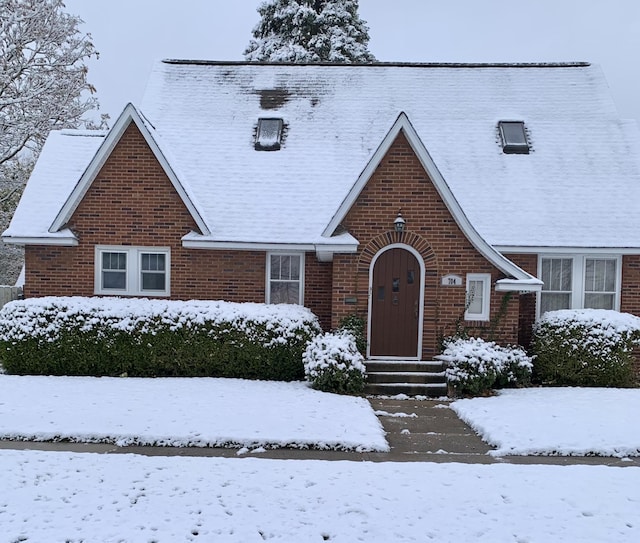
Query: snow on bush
x,y
138,336
332,363
474,365
586,347
46,317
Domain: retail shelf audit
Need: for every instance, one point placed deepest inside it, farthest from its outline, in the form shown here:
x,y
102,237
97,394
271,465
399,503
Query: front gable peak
x,y
129,115
521,279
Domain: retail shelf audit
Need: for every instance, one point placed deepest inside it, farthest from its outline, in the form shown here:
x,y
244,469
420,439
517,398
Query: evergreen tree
x,y
309,31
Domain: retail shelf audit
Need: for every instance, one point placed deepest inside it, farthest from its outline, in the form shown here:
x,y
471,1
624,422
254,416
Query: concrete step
x,y
405,377
410,389
392,377
434,366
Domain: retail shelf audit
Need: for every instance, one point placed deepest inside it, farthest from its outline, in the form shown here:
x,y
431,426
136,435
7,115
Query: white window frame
x,y
301,256
578,268
485,278
133,283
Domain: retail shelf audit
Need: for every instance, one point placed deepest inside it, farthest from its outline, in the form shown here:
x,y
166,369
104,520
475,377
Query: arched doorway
x,y
396,303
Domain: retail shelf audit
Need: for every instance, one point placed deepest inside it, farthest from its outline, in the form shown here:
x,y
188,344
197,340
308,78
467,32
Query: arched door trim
x,y
420,260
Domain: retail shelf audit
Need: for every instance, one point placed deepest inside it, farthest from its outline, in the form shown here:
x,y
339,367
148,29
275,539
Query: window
x,y
600,283
268,134
580,281
284,279
557,277
514,137
132,271
478,297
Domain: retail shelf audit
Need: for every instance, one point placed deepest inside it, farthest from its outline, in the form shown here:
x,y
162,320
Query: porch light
x,y
399,223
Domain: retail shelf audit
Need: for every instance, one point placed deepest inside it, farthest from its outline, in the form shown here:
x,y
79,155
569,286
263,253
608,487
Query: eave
x,y
324,251
540,249
62,241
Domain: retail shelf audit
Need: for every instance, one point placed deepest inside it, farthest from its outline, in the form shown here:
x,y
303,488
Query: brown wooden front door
x,y
395,304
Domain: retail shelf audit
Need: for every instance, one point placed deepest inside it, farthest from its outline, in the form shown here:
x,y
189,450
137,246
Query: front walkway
x,y
417,431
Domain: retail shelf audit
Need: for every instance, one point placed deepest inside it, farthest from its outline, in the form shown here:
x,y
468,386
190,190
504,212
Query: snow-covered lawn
x,y
557,421
89,497
188,411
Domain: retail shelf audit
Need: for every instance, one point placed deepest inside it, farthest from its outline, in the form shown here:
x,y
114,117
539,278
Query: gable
x,y
132,195
408,187
129,116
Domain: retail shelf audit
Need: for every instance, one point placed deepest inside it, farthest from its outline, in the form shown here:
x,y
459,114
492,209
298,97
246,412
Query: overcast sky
x,y
131,34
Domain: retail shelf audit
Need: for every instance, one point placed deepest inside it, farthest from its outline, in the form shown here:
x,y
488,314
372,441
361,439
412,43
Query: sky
x,y
131,34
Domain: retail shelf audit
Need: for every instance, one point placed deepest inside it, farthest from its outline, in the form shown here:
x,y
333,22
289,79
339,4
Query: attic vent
x,y
514,137
268,134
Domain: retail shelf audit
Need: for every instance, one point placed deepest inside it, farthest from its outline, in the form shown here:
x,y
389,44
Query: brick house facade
x,y
196,205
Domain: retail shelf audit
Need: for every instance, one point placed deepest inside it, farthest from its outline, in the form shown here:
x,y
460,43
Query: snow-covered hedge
x,y
142,337
588,347
475,366
332,363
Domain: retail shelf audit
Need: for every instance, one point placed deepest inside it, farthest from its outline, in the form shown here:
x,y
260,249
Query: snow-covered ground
x,y
61,496
111,498
188,411
557,421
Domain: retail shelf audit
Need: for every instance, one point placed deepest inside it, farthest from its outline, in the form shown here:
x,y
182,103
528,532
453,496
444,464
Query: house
x,y
422,197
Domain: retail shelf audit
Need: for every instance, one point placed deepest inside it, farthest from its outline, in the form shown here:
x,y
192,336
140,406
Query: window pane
x,y
285,267
285,292
474,297
551,301
275,266
269,132
114,280
153,262
610,276
295,267
600,275
598,301
153,281
556,274
514,133
114,261
114,274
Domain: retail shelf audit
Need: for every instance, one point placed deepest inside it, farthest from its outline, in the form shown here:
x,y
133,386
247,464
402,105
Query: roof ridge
x,y
202,62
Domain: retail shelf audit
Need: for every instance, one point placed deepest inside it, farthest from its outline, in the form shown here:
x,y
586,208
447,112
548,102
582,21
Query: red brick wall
x,y
132,202
630,293
401,182
527,315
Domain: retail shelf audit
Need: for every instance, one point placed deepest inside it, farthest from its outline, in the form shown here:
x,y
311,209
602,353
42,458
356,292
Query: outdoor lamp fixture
x,y
399,223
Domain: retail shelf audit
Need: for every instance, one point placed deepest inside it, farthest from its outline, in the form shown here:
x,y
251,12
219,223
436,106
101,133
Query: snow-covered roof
x,y
578,187
63,159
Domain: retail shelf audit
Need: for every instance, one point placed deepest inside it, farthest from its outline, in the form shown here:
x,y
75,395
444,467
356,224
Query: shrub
x,y
355,325
332,363
475,366
589,347
154,338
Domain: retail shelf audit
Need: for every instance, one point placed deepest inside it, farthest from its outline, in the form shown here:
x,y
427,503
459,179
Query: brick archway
x,y
390,237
